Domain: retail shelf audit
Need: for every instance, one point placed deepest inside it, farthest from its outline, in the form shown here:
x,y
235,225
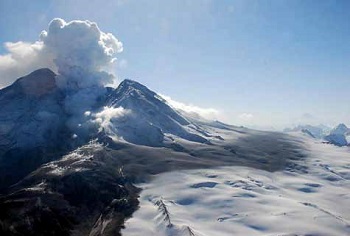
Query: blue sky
x,y
260,63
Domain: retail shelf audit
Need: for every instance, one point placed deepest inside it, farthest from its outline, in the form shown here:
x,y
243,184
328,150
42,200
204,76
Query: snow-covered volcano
x,y
37,121
34,113
70,156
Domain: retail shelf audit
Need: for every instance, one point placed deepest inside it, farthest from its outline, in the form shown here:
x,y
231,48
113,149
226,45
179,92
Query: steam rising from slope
x,y
83,55
106,117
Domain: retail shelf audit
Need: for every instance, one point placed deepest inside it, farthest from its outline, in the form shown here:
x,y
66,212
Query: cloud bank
x,y
79,51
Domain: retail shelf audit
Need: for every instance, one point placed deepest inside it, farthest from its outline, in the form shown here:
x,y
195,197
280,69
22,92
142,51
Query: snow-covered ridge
x,y
150,115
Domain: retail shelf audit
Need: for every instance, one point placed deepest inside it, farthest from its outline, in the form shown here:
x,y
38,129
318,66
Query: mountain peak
x,y
128,85
38,83
341,126
130,90
42,72
340,129
129,81
152,118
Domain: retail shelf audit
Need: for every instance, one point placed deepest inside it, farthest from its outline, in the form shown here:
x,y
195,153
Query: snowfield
x,y
246,201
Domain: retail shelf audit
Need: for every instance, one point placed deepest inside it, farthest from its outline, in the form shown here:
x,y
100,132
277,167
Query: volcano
x,y
57,181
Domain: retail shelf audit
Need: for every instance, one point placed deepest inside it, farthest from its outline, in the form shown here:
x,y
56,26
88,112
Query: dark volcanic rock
x,y
32,125
84,193
38,83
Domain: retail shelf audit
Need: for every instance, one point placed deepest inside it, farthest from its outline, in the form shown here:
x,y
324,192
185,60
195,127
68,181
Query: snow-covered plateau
x,y
247,201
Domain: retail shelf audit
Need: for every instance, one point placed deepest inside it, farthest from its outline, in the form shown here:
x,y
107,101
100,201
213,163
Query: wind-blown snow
x,y
246,201
192,110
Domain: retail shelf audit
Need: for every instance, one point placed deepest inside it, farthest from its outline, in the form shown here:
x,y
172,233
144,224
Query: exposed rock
x,y
38,83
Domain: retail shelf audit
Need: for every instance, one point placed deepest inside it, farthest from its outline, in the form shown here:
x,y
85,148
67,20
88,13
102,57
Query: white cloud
x,y
191,110
245,116
23,58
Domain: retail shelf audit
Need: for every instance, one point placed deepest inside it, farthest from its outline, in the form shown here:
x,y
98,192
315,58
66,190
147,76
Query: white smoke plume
x,y
78,51
81,52
82,56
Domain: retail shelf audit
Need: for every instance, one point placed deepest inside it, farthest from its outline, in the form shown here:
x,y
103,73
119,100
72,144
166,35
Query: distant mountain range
x,y
339,135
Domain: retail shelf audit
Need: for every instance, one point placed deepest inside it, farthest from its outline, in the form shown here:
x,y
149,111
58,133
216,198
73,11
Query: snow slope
x,y
150,117
246,201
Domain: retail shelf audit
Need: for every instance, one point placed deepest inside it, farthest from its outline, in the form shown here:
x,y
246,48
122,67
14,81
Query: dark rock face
x,y
79,193
38,83
336,139
31,112
32,125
